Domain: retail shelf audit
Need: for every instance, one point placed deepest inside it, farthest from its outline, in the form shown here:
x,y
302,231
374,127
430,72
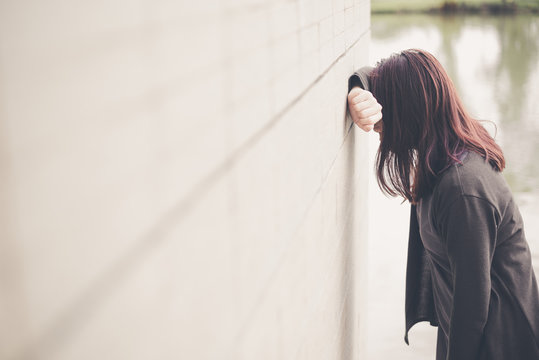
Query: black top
x,y
469,267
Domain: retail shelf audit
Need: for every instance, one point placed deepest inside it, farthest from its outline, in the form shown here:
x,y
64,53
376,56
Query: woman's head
x,y
425,125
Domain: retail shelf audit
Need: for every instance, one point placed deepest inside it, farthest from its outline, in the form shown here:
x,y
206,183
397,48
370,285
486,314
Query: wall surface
x,y
180,180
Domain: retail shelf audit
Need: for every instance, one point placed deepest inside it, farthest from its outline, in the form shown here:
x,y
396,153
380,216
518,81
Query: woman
x,y
469,267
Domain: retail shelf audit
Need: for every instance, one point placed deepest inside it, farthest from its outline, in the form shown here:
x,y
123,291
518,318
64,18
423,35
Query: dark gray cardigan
x,y
470,269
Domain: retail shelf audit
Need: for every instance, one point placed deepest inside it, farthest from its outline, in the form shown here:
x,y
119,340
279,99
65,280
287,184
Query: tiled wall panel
x,y
180,180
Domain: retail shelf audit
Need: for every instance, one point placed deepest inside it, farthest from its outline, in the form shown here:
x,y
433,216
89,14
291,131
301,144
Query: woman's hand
x,y
364,108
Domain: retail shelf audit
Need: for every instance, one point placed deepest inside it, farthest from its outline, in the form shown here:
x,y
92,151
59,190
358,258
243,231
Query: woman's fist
x,y
364,108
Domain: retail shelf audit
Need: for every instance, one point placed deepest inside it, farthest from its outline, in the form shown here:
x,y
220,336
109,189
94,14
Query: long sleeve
x,y
360,78
468,227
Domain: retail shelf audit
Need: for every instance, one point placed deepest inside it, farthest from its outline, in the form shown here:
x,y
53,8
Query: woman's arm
x,y
469,228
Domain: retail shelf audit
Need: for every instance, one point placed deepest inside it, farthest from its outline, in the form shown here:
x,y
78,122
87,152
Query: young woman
x,y
469,267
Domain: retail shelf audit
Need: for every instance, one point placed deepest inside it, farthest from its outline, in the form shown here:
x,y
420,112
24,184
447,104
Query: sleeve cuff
x,y
360,78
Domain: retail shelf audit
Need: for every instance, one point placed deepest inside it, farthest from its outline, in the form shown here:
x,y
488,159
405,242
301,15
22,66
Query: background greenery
x,y
388,6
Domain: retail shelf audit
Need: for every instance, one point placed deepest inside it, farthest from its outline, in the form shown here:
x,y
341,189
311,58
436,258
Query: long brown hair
x,y
425,125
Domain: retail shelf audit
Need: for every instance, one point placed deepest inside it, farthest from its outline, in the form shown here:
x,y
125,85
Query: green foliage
x,y
390,6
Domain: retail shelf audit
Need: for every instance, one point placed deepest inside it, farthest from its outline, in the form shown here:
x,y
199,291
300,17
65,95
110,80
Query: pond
x,y
494,63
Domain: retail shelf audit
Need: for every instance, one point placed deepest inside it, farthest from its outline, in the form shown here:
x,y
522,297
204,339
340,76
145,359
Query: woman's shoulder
x,y
475,177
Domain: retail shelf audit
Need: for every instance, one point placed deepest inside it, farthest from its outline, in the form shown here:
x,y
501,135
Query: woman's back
x,y
484,289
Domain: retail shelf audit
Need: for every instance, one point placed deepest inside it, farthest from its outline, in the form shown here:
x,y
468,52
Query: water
x,y
494,63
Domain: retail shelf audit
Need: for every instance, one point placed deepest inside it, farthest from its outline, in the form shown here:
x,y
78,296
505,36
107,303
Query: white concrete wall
x,y
180,181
